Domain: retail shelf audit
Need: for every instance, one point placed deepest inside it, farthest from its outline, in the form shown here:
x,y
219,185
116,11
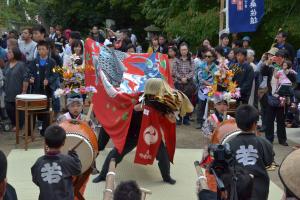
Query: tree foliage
x,y
196,20
193,20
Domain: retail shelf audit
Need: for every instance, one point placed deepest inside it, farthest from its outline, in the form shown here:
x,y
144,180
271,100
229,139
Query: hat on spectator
x,y
273,51
220,97
74,98
107,43
289,172
246,38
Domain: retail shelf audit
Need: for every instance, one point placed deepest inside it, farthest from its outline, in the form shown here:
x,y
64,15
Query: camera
x,y
222,163
223,158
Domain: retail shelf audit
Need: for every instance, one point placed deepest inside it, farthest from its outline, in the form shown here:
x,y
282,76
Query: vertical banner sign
x,y
244,15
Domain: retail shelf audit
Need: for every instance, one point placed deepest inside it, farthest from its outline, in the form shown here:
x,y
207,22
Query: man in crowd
x,y
39,34
246,42
224,37
27,45
282,44
243,75
95,34
52,32
60,40
163,48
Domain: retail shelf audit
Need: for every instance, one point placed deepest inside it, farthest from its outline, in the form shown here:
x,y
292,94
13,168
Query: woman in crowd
x,y
77,52
231,57
183,72
154,47
15,74
203,79
206,43
172,54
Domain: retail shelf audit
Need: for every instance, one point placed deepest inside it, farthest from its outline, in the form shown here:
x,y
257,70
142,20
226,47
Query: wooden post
x,y
221,24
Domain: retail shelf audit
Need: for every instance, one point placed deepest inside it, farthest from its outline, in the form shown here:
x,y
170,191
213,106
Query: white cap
x,y
107,42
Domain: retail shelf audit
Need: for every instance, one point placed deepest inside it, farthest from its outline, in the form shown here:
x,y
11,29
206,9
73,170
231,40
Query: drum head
x,y
31,96
230,136
84,150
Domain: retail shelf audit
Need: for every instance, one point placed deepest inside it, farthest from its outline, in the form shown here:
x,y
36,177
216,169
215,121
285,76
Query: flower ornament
x,y
223,83
74,78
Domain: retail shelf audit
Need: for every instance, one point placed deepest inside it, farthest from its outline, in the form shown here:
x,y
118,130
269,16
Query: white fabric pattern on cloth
x,y
51,174
247,156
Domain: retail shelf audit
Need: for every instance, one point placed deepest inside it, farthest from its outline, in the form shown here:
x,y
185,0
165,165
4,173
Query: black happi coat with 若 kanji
x,y
255,154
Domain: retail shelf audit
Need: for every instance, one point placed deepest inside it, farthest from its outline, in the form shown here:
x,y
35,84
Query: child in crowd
x,y
75,108
252,152
284,83
220,108
42,78
53,172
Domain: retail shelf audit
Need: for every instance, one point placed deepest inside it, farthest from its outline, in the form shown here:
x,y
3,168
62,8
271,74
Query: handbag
x,y
274,101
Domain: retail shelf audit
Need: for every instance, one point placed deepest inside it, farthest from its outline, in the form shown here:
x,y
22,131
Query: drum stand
x,y
30,113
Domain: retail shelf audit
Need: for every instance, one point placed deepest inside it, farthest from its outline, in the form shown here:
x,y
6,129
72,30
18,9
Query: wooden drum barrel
x,y
79,133
225,132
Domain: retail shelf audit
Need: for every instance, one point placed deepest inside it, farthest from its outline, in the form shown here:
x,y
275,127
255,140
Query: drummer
x,y
75,107
221,106
53,172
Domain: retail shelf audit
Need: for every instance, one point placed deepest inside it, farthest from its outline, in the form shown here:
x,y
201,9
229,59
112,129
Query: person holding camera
x,y
252,152
271,100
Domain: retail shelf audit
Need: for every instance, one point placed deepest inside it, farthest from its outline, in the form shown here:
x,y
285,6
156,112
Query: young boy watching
x,y
252,152
53,172
42,79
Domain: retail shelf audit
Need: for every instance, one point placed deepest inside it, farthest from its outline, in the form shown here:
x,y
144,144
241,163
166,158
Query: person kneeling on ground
x,y
244,185
53,172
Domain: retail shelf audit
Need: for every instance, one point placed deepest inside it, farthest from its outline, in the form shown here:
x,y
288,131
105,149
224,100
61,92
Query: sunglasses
x,y
207,56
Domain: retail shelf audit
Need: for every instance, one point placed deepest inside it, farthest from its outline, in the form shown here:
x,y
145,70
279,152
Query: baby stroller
x,y
5,124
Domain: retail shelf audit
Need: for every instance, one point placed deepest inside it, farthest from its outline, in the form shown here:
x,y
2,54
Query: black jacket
x,y
53,175
254,153
244,78
289,48
40,74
